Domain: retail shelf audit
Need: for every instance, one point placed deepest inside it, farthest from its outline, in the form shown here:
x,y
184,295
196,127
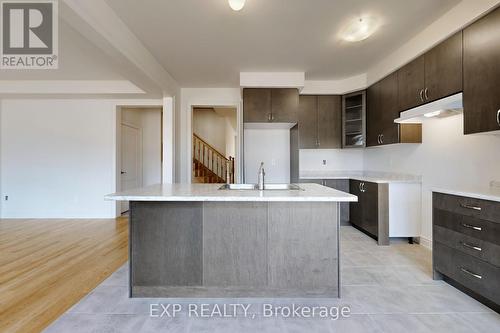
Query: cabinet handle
x,y
498,117
272,117
477,276
472,247
469,226
426,94
381,138
421,95
470,207
269,117
360,187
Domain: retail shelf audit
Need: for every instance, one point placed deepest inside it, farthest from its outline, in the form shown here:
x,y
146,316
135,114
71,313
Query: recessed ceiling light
x,y
236,5
359,28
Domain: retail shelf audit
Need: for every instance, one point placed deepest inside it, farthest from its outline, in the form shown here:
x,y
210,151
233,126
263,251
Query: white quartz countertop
x,y
491,194
368,176
211,192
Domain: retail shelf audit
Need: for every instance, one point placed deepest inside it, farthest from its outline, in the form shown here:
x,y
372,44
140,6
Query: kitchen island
x,y
197,240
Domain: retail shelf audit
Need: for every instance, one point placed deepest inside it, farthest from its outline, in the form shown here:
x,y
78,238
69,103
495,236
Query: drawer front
x,y
481,209
480,249
470,226
474,274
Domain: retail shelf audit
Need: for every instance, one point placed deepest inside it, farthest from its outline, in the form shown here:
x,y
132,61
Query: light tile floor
x,y
389,289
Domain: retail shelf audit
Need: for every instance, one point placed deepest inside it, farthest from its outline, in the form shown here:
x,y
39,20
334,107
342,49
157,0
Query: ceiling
x,y
79,59
206,44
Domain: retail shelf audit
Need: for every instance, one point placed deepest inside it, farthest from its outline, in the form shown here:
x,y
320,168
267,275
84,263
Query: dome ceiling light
x,y
359,29
236,5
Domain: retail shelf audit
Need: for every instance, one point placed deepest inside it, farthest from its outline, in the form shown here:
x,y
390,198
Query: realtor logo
x,y
29,34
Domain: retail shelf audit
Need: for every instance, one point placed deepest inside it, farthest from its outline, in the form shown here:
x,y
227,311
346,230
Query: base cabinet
x,y
383,210
337,184
466,245
366,214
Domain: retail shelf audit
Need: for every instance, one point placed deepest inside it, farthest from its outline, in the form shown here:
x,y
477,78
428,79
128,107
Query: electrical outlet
x,y
324,162
6,198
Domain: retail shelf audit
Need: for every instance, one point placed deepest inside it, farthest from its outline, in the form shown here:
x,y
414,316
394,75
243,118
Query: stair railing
x,y
213,160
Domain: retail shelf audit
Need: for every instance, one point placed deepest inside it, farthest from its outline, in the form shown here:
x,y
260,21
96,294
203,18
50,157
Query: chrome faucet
x,y
261,176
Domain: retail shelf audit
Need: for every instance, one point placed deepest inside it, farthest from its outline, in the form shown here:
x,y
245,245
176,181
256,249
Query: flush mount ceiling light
x,y
359,28
236,5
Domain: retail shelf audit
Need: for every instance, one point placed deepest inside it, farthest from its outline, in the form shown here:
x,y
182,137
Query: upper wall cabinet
x,y
320,122
443,69
262,105
482,75
382,109
284,105
435,75
354,120
411,83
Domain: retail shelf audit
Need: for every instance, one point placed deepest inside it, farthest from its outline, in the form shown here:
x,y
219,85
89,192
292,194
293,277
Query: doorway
x,y
141,155
214,144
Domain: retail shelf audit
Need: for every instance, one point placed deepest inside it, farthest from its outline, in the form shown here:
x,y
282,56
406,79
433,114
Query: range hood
x,y
441,108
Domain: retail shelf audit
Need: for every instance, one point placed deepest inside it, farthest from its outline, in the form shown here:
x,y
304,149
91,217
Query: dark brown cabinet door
x,y
370,208
356,208
411,84
373,116
256,105
482,74
388,109
329,122
308,122
443,69
284,105
382,109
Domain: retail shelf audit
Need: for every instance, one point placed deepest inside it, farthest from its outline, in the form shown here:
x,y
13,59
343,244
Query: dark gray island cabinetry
x,y
199,241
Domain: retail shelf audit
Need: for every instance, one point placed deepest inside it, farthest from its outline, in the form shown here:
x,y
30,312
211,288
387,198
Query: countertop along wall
x,y
447,159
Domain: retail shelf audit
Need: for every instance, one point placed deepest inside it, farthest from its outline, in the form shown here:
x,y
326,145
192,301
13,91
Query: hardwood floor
x,y
46,266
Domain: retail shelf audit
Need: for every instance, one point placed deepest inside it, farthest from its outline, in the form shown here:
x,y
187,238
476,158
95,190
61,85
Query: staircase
x,y
209,165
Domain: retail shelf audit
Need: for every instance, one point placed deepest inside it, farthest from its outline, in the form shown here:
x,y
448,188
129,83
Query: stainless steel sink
x,y
283,187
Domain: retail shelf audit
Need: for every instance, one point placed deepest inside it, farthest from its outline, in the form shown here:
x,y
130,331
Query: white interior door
x,y
131,160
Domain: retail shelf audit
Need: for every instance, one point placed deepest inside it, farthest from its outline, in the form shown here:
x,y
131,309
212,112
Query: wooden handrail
x,y
210,146
213,160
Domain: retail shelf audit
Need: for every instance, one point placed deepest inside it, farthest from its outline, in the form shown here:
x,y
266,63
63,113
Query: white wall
x,y
149,120
201,97
231,133
336,159
271,147
446,158
210,127
57,158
